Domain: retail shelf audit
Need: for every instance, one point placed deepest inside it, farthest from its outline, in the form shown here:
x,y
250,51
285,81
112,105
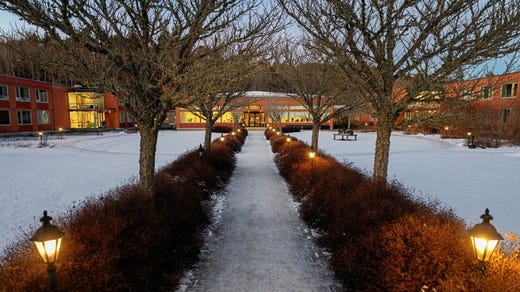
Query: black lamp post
x,y
201,151
47,239
484,239
471,141
41,138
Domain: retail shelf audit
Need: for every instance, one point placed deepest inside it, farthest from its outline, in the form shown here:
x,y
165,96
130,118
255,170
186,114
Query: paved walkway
x,y
260,244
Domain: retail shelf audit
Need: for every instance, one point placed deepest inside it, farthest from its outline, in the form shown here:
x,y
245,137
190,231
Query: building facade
x,y
34,106
28,105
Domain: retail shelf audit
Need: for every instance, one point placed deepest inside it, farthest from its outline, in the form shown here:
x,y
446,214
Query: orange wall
x,y
57,102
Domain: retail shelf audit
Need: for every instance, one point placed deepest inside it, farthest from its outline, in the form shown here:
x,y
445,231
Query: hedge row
x,y
126,240
380,237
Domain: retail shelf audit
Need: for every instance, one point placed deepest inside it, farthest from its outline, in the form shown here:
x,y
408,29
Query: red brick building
x,y
28,105
31,106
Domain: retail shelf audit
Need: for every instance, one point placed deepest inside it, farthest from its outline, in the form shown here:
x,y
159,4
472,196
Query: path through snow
x,y
260,244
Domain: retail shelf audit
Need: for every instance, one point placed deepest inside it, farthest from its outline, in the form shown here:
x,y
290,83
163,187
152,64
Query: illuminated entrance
x,y
254,119
86,108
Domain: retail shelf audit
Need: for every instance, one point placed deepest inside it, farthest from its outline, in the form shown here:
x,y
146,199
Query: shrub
x,y
126,240
379,236
291,129
222,129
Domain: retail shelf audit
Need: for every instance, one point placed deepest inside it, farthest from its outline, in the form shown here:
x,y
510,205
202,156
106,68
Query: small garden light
x,y
312,154
47,239
233,133
61,133
222,138
484,238
41,138
288,139
201,151
238,130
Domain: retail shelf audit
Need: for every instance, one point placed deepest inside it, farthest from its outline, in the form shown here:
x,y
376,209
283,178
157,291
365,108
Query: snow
x,y
466,180
35,179
260,243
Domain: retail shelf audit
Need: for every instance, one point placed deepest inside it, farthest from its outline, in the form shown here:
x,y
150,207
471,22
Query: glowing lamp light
x,y
469,134
233,133
277,133
312,154
47,239
446,128
222,138
238,130
484,238
288,139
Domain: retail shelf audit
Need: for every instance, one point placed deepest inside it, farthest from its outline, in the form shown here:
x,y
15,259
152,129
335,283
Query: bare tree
x,y
316,84
422,44
276,109
145,46
214,86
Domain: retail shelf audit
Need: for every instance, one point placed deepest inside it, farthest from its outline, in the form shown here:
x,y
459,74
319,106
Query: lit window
x,y
24,117
5,117
3,92
509,90
43,117
467,94
486,92
22,93
42,96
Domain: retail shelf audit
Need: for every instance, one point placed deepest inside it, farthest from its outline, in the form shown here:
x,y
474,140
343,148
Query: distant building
x,y
29,106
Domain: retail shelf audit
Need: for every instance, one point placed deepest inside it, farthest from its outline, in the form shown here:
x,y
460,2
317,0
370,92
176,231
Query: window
x,y
43,117
3,92
467,94
24,117
129,117
505,115
509,90
122,116
42,96
22,93
486,92
5,117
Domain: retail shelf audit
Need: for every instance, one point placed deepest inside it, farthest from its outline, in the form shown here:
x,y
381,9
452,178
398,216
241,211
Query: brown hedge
x,y
128,241
380,237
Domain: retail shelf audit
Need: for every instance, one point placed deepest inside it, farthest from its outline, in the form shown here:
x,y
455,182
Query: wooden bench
x,y
345,136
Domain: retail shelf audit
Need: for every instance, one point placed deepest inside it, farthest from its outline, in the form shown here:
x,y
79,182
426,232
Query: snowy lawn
x,y
467,180
35,179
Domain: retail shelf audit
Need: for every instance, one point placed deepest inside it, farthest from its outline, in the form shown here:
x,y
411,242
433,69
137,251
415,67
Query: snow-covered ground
x,y
36,179
467,180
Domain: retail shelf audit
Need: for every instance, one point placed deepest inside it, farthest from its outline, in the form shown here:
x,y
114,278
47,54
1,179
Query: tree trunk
x,y
384,130
207,135
315,132
148,146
